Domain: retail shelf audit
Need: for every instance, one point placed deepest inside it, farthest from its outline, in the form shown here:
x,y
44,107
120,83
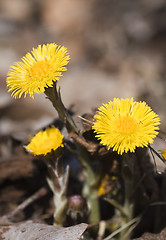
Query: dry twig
x,y
5,220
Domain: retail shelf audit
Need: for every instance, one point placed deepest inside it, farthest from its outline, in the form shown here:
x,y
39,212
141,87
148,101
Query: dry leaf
x,y
150,236
35,231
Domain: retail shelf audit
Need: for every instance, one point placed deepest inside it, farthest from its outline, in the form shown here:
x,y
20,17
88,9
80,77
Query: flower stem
x,y
127,173
55,97
90,186
58,182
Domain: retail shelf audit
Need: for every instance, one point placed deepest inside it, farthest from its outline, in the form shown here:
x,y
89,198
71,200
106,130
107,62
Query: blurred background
x,y
117,49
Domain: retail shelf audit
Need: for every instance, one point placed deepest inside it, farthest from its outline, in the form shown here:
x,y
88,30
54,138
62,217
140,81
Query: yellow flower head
x,y
106,185
37,70
163,152
124,124
45,141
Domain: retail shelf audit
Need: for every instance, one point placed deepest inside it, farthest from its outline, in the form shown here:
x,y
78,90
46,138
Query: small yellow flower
x,y
45,141
37,70
163,153
106,185
124,124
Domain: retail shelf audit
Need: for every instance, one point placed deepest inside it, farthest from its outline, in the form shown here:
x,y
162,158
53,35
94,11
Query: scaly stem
x,y
90,186
54,96
58,182
127,172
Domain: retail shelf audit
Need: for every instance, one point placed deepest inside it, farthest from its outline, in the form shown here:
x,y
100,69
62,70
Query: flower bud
x,y
77,209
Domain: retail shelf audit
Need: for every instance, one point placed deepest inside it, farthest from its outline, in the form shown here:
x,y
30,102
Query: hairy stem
x,y
55,97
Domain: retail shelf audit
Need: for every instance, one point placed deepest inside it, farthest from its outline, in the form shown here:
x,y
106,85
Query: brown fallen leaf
x,y
36,231
151,236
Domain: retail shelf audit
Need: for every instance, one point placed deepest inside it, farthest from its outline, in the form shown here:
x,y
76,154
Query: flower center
x,y
126,124
39,69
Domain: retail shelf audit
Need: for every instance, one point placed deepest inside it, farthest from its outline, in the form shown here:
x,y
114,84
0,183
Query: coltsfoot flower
x,y
37,70
106,185
163,153
124,124
45,141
